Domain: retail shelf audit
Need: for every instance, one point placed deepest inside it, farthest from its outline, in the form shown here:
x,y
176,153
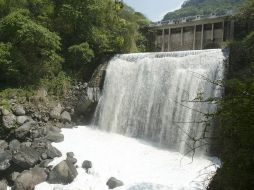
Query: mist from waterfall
x,y
156,97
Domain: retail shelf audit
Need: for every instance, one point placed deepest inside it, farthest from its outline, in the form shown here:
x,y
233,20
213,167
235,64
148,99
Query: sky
x,y
154,9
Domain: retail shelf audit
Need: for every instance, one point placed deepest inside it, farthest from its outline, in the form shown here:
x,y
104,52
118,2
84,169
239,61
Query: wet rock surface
x,y
28,179
26,134
87,165
63,173
5,159
112,183
27,130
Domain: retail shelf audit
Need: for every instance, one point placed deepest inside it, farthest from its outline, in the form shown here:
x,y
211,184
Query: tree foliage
x,y
237,115
31,48
40,38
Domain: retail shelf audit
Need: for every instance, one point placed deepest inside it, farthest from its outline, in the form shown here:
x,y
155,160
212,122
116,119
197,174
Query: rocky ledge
x,y
27,132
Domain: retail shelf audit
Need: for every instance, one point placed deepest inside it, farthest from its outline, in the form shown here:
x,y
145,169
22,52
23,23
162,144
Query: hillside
x,y
204,7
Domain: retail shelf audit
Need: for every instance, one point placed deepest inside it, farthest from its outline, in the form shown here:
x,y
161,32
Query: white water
x,y
148,96
138,164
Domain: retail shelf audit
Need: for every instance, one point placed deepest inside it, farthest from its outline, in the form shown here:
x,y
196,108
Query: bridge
x,y
192,33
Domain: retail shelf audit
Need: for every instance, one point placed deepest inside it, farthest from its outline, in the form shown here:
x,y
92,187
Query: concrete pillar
x,y
223,30
202,37
182,36
155,40
212,32
194,37
232,29
163,40
169,39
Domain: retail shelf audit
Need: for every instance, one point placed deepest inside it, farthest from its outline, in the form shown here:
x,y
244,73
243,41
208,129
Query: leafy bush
x,y
57,86
30,50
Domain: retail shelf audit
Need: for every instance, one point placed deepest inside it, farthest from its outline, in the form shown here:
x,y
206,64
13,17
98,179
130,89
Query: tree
x,y
34,48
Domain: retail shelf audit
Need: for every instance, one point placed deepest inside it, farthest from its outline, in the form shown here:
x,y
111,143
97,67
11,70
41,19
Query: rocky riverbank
x,y
28,128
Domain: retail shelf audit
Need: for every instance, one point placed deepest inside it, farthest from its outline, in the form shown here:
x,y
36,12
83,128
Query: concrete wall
x,y
195,35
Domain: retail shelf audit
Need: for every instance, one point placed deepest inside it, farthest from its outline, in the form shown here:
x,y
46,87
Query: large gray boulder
x,y
19,110
3,145
14,176
3,185
52,152
70,157
55,137
5,159
55,113
9,121
26,157
113,183
27,180
66,117
23,130
63,173
14,145
22,119
87,165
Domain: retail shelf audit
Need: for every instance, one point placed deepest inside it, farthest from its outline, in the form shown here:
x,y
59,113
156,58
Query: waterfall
x,y
153,96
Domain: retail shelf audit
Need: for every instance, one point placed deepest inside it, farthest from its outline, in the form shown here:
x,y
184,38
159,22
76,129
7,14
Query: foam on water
x,y
140,165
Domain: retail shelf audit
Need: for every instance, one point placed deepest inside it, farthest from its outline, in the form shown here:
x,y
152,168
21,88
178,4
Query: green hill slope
x,y
204,7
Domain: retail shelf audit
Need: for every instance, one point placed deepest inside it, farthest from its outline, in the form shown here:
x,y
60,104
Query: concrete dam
x,y
192,34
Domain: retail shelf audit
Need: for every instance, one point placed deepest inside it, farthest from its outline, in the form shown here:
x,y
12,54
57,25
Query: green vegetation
x,y
237,112
204,7
51,43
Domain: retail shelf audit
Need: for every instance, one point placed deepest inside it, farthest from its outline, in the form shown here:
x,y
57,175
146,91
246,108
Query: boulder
x,y
3,145
45,163
27,180
87,165
52,152
5,159
25,144
14,176
14,145
3,185
113,183
19,110
9,121
66,117
55,137
86,109
53,129
63,173
70,158
23,130
55,113
22,119
70,154
26,158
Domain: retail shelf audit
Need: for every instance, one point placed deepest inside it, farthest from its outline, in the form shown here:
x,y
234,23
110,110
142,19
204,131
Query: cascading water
x,y
154,96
